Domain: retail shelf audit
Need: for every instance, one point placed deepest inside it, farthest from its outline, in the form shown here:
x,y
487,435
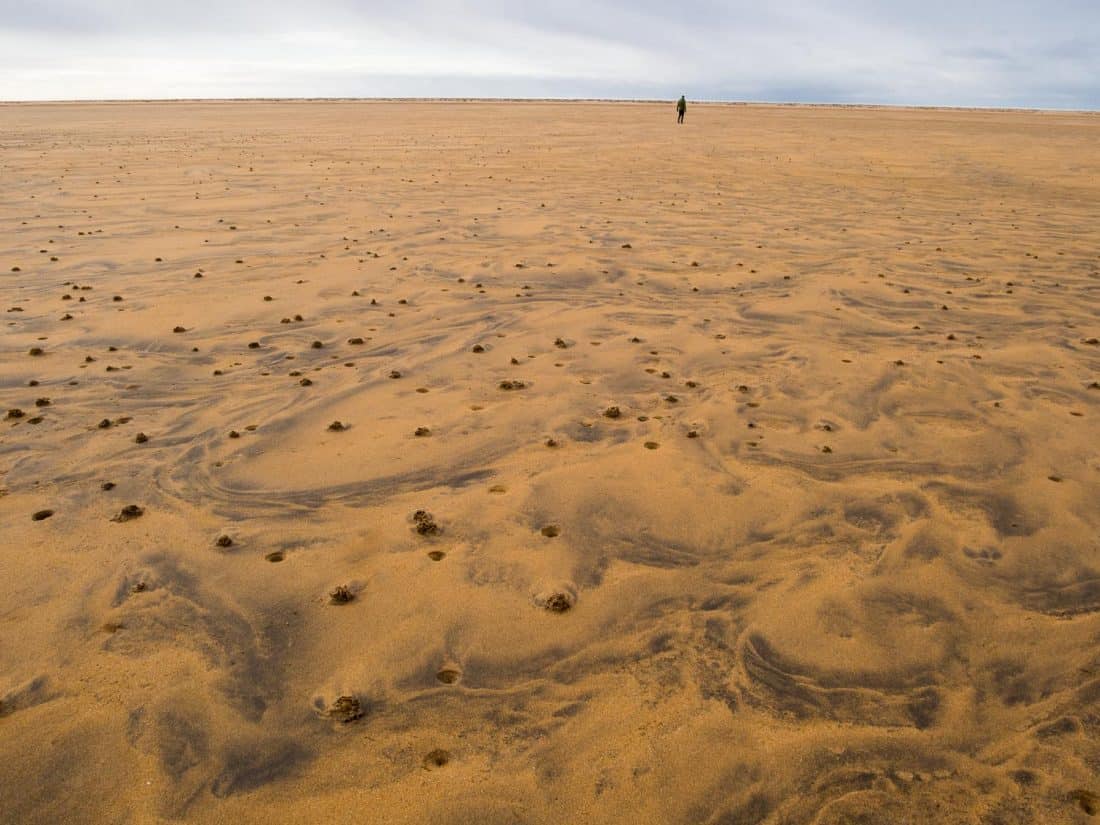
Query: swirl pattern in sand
x,y
528,463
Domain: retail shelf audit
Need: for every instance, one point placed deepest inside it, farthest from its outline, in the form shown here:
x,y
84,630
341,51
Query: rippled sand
x,y
835,560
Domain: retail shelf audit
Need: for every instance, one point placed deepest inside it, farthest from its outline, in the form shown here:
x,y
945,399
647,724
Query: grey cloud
x,y
908,51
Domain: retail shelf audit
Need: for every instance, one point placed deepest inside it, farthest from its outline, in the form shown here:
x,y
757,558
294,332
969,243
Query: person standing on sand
x,y
681,107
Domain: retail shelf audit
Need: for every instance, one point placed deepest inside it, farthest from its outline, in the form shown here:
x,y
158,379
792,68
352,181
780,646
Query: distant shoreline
x,y
547,100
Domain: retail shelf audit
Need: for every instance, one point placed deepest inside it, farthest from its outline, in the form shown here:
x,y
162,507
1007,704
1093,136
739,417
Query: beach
x,y
408,462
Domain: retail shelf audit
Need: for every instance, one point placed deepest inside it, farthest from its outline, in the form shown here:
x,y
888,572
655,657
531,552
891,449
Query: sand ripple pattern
x,y
535,463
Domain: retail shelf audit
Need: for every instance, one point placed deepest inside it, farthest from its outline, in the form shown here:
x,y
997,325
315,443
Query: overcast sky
x,y
924,52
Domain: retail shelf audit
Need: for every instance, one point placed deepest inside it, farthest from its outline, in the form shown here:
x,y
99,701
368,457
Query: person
x,y
681,107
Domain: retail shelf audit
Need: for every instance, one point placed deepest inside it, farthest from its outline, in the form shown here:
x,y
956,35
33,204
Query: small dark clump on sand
x,y
557,602
129,513
436,759
337,426
425,523
223,541
345,709
41,515
340,595
1087,801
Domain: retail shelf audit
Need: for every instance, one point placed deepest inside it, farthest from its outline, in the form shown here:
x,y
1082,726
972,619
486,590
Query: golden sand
x,y
835,559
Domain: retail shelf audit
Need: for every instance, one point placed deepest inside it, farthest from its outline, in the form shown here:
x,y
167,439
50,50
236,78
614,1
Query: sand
x,y
542,463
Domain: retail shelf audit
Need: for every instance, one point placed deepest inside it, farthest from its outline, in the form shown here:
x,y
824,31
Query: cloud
x,y
927,52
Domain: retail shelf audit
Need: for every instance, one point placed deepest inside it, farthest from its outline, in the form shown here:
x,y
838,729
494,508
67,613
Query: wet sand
x,y
541,463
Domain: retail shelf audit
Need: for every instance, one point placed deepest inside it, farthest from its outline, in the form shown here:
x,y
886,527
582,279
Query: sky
x,y
1039,54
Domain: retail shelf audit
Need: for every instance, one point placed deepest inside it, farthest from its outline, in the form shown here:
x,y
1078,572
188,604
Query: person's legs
x,y
680,117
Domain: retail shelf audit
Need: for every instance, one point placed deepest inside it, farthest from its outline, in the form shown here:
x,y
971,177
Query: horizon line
x,y
605,100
